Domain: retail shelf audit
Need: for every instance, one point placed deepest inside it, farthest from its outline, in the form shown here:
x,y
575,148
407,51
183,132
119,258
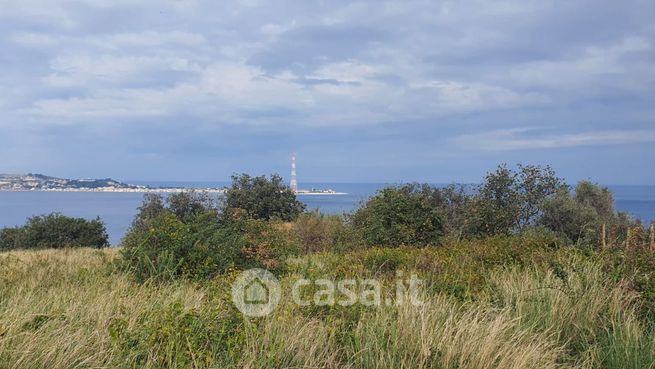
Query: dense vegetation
x,y
502,302
522,271
262,198
189,234
55,231
398,216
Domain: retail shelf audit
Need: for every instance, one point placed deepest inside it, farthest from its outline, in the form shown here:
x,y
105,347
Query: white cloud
x,y
607,65
528,139
339,64
464,96
274,29
349,71
83,70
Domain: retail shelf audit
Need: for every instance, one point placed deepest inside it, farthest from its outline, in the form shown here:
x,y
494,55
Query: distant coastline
x,y
157,190
42,183
119,190
39,182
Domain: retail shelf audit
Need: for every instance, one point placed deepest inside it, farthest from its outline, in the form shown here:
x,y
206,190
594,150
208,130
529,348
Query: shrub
x,y
262,198
384,260
319,232
170,238
55,231
161,251
199,245
182,205
398,216
581,215
261,244
174,336
188,204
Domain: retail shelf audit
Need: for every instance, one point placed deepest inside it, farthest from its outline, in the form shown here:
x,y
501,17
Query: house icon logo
x,y
256,292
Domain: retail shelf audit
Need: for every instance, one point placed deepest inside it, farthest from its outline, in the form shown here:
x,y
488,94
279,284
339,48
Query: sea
x,y
117,210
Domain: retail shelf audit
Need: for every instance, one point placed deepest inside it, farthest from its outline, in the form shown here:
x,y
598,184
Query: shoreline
x,y
320,193
159,190
124,190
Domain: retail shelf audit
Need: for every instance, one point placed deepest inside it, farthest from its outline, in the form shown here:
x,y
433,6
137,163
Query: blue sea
x,y
118,209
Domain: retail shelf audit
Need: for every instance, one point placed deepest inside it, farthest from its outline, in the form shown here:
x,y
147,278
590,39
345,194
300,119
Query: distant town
x,y
40,182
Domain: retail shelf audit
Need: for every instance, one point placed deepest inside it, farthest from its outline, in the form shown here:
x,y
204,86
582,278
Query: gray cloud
x,y
458,71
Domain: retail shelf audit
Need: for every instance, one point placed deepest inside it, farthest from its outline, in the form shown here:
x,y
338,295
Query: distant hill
x,y
36,182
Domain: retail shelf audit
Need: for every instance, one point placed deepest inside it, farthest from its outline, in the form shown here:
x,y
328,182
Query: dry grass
x,y
447,334
57,307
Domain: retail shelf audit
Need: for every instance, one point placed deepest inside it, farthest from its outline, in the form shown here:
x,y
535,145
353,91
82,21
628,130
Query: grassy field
x,y
491,304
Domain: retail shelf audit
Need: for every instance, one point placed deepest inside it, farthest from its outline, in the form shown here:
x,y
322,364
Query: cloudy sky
x,y
369,91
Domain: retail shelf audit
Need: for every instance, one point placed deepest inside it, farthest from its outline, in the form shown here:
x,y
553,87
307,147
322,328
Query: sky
x,y
368,91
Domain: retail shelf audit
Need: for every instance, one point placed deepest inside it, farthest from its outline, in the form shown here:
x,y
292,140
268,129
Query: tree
x,y
398,216
565,215
152,206
55,231
262,198
190,203
496,207
182,205
599,198
508,200
451,202
581,215
535,185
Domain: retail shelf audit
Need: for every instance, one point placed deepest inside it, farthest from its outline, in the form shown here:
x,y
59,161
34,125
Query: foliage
x,y
184,237
596,197
398,216
453,203
168,249
637,267
519,301
262,198
384,260
509,200
580,216
261,244
183,205
188,204
319,232
55,231
175,337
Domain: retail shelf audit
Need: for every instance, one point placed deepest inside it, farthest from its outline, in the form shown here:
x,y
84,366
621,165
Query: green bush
x,y
183,205
169,238
261,244
398,216
581,215
262,198
173,336
199,244
384,260
55,231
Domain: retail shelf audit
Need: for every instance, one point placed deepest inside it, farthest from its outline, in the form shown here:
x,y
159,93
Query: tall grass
x,y
594,319
73,309
56,307
447,334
